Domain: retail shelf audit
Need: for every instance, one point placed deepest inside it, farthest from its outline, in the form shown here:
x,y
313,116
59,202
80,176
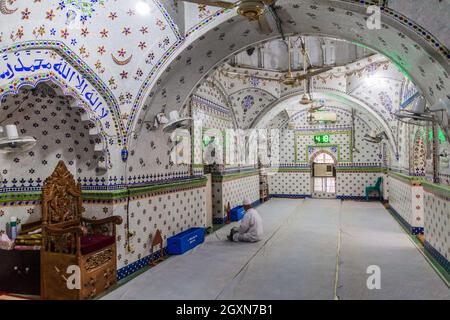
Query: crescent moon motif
x,y
121,62
4,9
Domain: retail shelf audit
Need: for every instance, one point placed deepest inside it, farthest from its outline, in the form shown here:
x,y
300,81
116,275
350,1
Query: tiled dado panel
x,y
234,191
348,184
31,212
437,224
407,201
386,187
171,213
290,183
353,184
170,208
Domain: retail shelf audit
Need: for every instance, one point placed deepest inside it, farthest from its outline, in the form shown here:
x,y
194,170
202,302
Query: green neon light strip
x,y
390,57
441,136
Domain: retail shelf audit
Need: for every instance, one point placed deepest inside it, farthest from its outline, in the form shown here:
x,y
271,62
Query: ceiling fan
x,y
176,122
253,10
315,107
375,137
290,79
417,115
307,74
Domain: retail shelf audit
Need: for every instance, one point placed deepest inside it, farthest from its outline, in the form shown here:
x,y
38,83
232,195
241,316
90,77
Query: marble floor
x,y
313,249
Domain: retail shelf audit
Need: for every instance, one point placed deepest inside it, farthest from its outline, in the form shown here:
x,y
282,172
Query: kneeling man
x,y
251,228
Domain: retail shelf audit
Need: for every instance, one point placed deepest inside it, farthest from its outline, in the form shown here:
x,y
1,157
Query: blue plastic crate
x,y
237,213
186,240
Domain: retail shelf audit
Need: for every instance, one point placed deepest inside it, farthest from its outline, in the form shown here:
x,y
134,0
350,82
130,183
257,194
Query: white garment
x,y
251,228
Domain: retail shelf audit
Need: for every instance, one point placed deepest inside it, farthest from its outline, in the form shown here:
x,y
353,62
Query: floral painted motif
x,y
80,10
248,102
254,81
386,101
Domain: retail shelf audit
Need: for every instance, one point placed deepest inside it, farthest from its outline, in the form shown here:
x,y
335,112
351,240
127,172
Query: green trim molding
x,y
25,197
437,189
226,177
360,169
287,170
29,198
411,180
434,188
350,169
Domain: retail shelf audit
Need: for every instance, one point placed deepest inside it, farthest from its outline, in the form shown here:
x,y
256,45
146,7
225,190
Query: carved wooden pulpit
x,y
78,255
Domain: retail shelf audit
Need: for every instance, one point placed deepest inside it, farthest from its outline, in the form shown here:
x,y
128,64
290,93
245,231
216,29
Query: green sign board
x,y
322,138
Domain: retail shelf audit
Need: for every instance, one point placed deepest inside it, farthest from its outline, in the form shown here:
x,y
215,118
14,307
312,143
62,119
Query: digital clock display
x,y
322,138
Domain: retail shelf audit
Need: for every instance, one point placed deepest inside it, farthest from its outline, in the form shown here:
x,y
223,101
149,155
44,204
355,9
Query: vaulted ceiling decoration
x,y
372,85
409,47
172,45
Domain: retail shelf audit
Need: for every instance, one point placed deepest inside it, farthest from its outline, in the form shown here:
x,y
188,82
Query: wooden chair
x,y
72,243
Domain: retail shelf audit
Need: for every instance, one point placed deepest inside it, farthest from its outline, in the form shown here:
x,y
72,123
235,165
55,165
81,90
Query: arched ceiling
x,y
273,55
416,56
117,40
431,15
372,85
288,109
147,54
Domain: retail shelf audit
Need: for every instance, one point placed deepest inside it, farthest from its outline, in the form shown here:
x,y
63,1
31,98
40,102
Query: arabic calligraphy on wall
x,y
32,66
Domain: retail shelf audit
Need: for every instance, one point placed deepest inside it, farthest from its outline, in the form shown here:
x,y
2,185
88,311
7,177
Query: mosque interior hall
x,y
224,150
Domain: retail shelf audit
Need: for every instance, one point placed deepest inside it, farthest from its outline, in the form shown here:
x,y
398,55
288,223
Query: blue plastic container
x,y
186,240
237,213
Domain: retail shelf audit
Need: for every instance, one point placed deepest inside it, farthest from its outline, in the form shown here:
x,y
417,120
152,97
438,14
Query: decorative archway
x,y
323,182
96,132
425,62
62,133
32,62
322,151
278,106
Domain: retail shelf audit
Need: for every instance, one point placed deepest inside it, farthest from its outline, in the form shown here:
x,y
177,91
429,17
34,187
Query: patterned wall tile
x,y
234,192
171,213
407,201
437,223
